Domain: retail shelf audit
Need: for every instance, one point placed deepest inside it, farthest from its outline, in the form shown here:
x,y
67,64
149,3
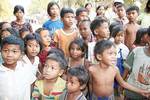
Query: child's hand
x,y
145,93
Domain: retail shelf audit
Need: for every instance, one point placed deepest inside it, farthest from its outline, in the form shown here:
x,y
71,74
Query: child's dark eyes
x,y
14,51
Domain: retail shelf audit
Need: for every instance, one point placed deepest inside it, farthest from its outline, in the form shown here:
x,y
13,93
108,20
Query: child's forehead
x,y
68,14
72,77
11,46
132,11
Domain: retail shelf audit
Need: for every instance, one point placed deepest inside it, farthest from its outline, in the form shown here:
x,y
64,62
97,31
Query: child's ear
x,y
82,87
61,72
99,57
95,32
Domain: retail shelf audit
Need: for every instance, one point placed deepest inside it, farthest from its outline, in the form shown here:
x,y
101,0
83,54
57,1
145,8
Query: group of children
x,y
75,60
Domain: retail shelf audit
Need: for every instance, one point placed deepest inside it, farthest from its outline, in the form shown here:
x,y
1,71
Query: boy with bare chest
x,y
104,73
131,27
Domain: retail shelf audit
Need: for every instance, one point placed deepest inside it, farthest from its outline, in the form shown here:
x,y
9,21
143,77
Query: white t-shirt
x,y
15,84
26,60
139,64
124,50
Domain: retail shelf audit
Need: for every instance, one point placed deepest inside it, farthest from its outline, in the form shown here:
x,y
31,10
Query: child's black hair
x,y
50,5
116,30
11,30
120,5
80,73
80,10
65,11
82,45
13,40
32,37
97,22
131,8
84,21
101,46
58,57
112,25
17,8
87,4
147,8
140,33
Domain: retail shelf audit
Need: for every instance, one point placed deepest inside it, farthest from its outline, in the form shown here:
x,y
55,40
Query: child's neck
x,y
12,66
31,58
132,22
76,61
103,66
54,18
99,38
47,48
50,81
73,95
20,21
68,29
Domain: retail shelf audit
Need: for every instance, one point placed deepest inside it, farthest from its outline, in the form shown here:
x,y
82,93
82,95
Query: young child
x,y
4,25
100,11
77,51
8,31
141,37
63,37
77,79
121,12
52,85
45,42
81,14
137,66
32,49
15,76
23,32
104,73
54,21
100,30
85,31
122,53
131,27
20,22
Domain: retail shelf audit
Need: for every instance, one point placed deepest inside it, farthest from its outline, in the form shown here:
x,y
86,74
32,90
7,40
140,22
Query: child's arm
x,y
35,93
130,87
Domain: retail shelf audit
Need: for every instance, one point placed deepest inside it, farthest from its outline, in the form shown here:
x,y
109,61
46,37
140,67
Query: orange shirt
x,y
63,39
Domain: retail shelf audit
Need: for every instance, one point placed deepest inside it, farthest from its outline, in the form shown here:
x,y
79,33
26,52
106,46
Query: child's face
x,y
132,15
33,48
121,12
108,57
68,19
84,30
119,38
100,11
11,54
103,30
82,16
51,69
73,84
5,34
45,37
144,39
24,34
54,10
19,14
75,51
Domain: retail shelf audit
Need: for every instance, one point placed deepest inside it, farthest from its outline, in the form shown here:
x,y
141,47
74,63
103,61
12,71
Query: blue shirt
x,y
52,26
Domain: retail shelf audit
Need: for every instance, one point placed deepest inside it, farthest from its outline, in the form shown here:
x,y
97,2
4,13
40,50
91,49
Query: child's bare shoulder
x,y
92,68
